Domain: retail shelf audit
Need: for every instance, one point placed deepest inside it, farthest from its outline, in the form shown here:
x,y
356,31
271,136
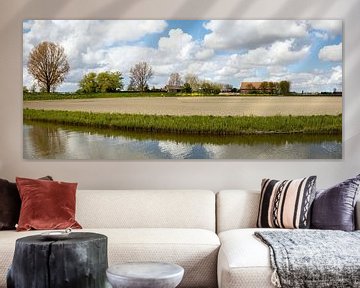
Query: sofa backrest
x,y
239,209
146,209
236,209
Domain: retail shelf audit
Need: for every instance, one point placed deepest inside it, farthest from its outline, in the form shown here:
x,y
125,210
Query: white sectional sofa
x,y
145,225
177,226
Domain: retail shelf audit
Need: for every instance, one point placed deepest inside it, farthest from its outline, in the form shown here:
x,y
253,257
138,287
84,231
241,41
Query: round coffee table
x,y
145,275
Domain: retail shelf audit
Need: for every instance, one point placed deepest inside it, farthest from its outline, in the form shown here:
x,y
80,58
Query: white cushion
x,y
236,209
244,261
196,250
146,209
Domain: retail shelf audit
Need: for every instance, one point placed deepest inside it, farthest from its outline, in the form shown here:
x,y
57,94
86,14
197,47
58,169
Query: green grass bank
x,y
203,125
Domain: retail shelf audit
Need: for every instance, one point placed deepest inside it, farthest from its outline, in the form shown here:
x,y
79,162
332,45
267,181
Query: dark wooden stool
x,y
78,261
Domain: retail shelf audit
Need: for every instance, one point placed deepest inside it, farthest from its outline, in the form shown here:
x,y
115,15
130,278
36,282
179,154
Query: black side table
x,y
79,261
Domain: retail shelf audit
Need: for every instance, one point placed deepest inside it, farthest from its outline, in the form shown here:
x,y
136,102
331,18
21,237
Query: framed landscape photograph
x,y
182,89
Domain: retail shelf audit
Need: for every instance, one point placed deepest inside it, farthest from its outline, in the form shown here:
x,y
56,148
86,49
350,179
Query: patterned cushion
x,y
286,204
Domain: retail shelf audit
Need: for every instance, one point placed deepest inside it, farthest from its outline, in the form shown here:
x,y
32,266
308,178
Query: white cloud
x,y
279,53
334,27
331,53
204,54
178,43
244,34
80,36
336,75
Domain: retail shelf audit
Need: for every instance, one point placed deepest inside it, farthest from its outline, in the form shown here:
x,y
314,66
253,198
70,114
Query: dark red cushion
x,y
46,204
10,204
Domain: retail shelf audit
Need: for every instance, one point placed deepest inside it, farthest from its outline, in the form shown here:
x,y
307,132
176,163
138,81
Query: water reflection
x,y
50,141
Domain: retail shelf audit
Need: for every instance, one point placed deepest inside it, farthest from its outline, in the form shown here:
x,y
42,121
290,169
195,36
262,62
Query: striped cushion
x,y
286,204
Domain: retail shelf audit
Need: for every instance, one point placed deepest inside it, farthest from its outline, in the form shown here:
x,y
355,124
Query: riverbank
x,y
204,125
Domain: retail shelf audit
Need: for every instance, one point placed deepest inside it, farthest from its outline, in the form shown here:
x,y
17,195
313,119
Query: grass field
x,y
60,96
206,125
188,106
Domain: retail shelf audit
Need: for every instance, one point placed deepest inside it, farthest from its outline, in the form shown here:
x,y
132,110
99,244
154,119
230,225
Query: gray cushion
x,y
334,208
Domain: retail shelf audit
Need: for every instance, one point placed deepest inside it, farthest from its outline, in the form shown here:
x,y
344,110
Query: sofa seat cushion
x,y
244,261
194,249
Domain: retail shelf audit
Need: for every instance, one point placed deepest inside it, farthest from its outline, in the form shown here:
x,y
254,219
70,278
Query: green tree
x,y
284,87
271,86
210,88
109,81
25,89
88,84
264,87
187,88
48,64
102,82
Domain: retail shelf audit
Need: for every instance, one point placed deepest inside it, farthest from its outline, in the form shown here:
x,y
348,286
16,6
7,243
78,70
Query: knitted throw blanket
x,y
313,258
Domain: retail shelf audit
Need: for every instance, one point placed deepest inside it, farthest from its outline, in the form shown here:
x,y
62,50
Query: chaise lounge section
x,y
244,260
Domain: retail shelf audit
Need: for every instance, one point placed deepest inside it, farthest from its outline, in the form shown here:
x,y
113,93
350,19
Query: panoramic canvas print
x,y
182,89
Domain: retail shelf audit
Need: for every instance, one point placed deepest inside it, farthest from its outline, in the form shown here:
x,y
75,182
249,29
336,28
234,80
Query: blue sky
x,y
308,53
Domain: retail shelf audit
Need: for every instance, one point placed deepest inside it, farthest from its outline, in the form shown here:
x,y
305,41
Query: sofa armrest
x,y
357,215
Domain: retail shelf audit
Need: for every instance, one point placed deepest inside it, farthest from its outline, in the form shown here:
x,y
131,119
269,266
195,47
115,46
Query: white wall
x,y
173,174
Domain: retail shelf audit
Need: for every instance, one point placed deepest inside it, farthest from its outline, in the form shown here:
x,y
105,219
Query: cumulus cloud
x,y
204,54
79,37
279,53
331,53
245,34
178,43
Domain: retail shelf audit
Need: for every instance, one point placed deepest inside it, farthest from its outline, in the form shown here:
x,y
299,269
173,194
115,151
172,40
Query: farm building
x,y
253,87
173,88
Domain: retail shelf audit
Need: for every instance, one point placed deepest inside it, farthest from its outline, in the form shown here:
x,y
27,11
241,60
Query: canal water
x,y
52,141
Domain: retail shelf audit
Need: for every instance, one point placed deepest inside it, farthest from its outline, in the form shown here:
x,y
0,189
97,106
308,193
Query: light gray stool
x,y
145,275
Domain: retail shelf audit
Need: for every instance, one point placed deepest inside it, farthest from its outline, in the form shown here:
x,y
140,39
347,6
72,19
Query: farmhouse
x,y
173,88
254,87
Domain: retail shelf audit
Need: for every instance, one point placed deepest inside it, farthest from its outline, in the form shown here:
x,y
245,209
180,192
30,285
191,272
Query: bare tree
x,y
174,80
48,65
140,74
